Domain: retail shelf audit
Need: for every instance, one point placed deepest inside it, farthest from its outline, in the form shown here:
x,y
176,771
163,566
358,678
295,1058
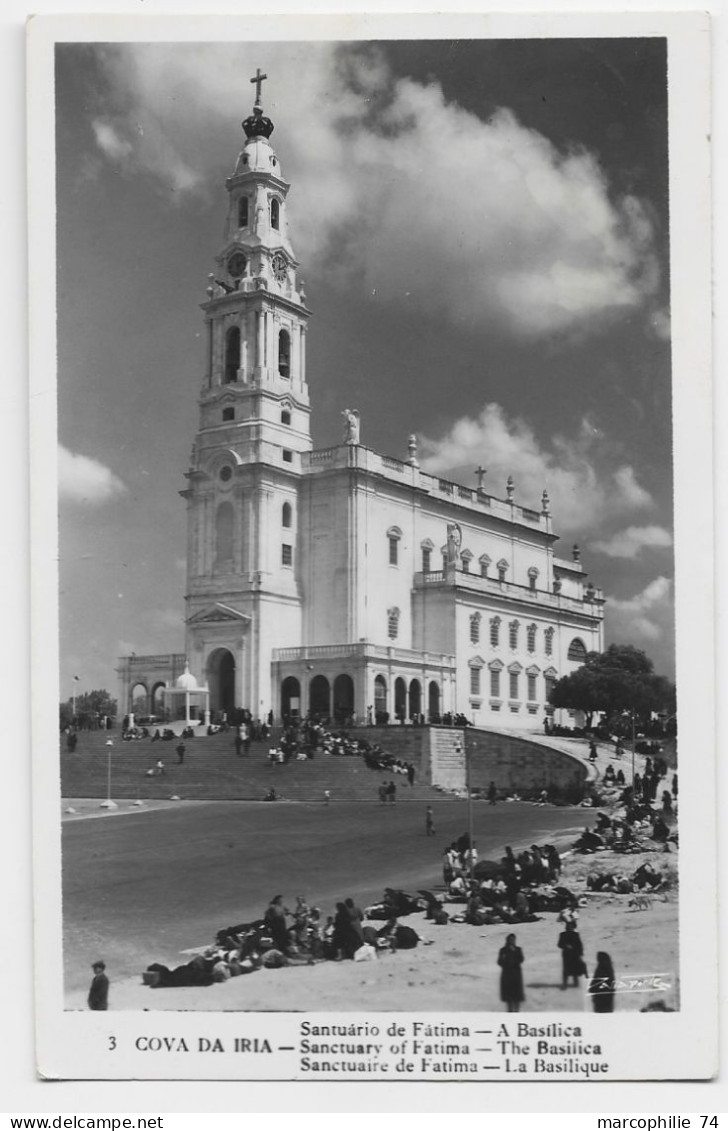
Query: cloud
x,y
151,151
646,616
109,142
659,323
629,543
84,480
409,195
583,493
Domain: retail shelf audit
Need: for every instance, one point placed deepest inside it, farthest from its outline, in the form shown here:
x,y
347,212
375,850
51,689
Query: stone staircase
x,y
212,771
447,761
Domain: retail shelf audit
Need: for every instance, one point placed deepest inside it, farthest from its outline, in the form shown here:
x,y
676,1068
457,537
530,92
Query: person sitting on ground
x,y
660,831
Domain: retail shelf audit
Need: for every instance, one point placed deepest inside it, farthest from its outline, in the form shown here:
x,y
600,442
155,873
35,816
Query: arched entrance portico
x,y
139,700
400,699
319,696
415,698
221,681
380,699
433,701
157,700
290,698
343,698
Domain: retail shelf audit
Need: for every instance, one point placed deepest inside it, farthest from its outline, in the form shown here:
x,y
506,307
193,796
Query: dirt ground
x,y
455,968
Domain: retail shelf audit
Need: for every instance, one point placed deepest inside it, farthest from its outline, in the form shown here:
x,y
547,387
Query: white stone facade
x,y
342,581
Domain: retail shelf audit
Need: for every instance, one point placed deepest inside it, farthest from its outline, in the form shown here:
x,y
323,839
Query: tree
x,y
620,680
89,707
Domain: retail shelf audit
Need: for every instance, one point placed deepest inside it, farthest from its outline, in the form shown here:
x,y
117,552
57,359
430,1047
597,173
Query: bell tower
x,y
243,587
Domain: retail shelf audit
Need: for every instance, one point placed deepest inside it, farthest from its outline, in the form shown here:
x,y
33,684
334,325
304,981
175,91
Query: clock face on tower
x,y
280,267
236,265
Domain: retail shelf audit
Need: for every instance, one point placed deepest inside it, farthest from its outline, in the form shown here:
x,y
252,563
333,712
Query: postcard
x,y
372,548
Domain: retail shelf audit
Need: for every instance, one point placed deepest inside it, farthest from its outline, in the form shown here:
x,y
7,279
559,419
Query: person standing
x,y
238,743
98,994
429,822
180,753
492,794
410,775
276,922
601,986
327,796
572,951
510,960
392,792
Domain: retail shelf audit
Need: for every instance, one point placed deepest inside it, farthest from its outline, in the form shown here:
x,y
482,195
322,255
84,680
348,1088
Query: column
x,y
302,359
242,678
259,354
270,351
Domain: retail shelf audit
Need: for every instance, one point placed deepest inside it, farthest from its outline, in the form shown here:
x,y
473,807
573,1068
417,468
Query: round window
x,y
226,473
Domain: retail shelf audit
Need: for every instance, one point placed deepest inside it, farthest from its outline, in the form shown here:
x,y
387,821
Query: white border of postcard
x,y
653,1047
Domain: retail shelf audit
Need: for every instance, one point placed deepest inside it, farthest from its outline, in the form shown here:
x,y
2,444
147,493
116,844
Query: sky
x,y
483,231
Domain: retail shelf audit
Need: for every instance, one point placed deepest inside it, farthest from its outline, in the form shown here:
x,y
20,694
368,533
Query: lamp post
x,y
108,804
467,747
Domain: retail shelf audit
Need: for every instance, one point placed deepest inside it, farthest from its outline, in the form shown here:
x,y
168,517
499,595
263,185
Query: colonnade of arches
x,y
336,699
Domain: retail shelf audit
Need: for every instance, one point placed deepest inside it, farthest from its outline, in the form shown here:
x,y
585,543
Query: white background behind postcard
x,y
158,1096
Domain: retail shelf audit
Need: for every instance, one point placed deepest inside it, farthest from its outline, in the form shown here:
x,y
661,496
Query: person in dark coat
x,y
601,986
180,753
356,915
98,994
572,952
275,921
348,935
510,960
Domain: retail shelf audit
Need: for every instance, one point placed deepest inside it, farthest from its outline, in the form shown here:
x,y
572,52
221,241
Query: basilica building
x,y
343,582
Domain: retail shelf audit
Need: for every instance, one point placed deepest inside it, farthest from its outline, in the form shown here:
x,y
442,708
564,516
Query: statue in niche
x,y
351,425
454,542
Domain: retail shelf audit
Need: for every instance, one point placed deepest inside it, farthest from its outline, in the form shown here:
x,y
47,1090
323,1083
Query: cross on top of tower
x,y
257,125
259,78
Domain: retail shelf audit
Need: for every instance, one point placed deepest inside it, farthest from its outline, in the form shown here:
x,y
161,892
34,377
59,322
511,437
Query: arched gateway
x,y
221,681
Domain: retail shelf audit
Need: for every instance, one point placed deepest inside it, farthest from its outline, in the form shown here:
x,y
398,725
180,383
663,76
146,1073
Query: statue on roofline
x,y
351,425
454,542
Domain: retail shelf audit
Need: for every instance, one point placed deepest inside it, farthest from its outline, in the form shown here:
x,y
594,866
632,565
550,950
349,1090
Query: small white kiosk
x,y
194,697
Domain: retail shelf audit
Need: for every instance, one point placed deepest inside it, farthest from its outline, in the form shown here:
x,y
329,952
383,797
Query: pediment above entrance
x,y
219,614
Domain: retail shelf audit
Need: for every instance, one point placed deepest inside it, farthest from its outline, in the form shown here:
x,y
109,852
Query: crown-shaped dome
x,y
257,125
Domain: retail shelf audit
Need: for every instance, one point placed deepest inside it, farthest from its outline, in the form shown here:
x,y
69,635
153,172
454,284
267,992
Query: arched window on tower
x,y
243,212
224,534
284,353
275,213
286,514
232,355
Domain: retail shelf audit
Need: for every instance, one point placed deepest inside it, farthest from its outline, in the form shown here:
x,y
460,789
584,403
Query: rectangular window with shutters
x,y
286,555
426,555
514,684
532,687
495,684
475,681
